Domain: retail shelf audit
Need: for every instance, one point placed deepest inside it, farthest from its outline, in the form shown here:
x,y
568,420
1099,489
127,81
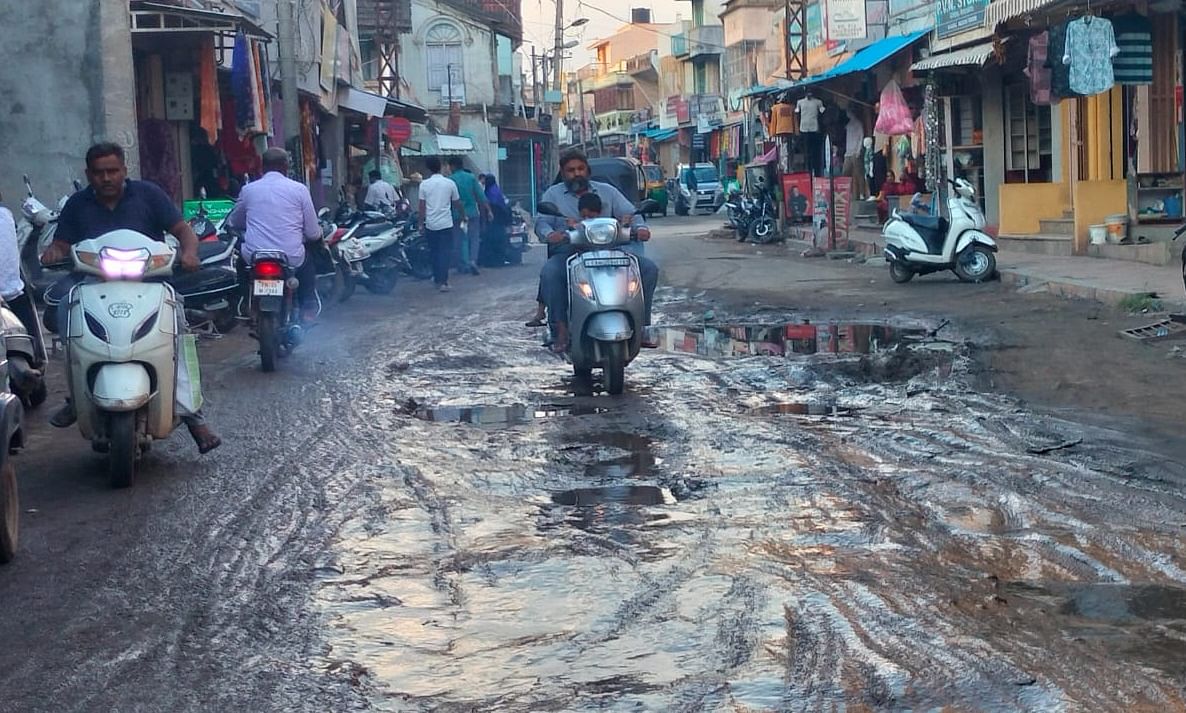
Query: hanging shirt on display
x,y
809,109
854,132
1060,74
1091,45
1134,37
783,119
1038,71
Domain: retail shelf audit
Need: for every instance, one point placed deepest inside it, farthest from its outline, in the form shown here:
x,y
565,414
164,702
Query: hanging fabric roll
x,y
1038,72
243,85
210,117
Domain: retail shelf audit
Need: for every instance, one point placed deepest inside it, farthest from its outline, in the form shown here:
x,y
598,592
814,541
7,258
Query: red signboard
x,y
399,130
796,193
822,196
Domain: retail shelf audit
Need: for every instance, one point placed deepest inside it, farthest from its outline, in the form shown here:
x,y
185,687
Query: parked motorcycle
x,y
120,347
34,235
605,298
12,417
273,310
24,346
922,244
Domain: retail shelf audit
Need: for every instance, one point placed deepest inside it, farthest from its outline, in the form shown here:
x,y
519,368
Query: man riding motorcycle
x,y
114,202
277,213
574,170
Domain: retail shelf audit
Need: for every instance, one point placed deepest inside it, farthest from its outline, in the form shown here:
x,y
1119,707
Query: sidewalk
x,y
1089,278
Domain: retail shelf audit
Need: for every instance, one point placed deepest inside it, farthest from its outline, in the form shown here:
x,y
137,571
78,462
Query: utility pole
x,y
534,83
286,22
581,102
557,57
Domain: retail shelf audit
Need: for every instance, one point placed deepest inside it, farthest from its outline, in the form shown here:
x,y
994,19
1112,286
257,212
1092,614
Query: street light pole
x,y
557,57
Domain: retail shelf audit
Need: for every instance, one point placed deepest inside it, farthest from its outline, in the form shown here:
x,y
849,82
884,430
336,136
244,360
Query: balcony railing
x,y
642,63
705,40
614,122
679,45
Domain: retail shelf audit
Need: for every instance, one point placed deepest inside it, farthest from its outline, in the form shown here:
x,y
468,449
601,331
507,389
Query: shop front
x,y
1092,148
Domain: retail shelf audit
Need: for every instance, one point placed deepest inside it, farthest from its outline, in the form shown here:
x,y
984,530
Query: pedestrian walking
x,y
439,202
468,221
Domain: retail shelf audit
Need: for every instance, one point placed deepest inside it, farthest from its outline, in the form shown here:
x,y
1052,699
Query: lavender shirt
x,y
275,213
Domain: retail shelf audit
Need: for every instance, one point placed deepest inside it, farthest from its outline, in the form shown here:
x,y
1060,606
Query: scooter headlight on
x,y
123,264
601,233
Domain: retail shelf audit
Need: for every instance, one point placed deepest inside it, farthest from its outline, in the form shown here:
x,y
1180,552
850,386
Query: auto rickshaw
x,y
656,186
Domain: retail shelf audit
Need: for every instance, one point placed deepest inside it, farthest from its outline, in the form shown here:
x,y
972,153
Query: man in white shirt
x,y
276,213
380,194
439,199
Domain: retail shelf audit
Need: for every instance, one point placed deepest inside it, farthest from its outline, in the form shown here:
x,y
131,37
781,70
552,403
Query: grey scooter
x,y
605,299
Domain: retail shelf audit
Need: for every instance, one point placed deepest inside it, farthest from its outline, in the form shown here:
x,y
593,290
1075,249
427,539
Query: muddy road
x,y
791,509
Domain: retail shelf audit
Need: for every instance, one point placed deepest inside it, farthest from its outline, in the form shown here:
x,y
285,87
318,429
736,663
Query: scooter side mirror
x,y
549,208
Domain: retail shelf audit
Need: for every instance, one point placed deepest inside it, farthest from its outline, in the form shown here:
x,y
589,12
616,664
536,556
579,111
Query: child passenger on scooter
x,y
590,207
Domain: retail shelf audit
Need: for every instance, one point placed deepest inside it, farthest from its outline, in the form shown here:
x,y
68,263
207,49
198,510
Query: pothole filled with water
x,y
614,495
482,415
788,339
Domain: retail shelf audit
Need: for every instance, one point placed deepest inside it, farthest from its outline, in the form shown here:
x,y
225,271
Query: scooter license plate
x,y
268,288
607,262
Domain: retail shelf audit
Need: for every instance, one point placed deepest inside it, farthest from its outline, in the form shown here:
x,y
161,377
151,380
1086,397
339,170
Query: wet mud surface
x,y
786,512
778,516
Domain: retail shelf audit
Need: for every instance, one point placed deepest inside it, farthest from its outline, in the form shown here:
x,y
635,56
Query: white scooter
x,y
922,244
120,347
605,299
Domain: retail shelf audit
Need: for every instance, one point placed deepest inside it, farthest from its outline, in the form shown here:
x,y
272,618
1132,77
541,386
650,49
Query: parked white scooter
x,y
120,349
921,244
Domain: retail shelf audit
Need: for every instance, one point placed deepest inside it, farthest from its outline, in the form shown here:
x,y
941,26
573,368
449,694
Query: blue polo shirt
x,y
144,208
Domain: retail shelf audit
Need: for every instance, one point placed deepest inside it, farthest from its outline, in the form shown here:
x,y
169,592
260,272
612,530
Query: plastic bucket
x,y
1117,225
1098,234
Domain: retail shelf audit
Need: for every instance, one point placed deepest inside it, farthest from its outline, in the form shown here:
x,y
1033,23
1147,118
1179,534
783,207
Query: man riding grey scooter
x,y
574,170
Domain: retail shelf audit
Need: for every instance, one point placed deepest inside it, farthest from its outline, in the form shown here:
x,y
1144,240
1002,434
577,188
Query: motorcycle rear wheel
x,y
762,231
121,435
269,347
10,513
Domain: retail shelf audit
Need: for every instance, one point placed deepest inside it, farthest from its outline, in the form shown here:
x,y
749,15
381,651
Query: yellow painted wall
x,y
1095,200
1024,204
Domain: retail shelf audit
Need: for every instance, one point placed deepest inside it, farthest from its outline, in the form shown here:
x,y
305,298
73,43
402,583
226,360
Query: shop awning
x,y
769,157
868,57
661,135
437,144
1004,10
974,56
372,104
159,18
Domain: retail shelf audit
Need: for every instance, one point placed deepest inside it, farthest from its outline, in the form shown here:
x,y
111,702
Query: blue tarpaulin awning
x,y
868,57
863,60
659,135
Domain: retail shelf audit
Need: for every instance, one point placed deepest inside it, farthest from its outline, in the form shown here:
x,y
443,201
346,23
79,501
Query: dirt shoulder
x,y
1055,352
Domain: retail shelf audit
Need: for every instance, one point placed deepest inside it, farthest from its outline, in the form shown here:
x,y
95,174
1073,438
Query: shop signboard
x,y
846,20
955,16
216,210
823,196
815,25
796,192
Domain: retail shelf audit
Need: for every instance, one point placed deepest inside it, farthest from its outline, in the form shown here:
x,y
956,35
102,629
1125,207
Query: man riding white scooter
x,y
565,196
113,202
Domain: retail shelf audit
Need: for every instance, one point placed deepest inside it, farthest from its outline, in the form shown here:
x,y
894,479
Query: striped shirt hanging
x,y
1134,37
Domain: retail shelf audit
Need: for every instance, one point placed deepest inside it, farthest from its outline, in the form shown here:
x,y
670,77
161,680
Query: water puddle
x,y
614,495
803,409
800,338
1108,603
504,415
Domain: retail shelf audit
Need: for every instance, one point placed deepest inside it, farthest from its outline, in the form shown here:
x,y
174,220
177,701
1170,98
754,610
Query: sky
x,y
605,17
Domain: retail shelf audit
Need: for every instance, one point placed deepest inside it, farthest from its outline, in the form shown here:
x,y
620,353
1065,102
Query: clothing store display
x,y
782,120
809,109
210,115
1038,72
880,173
1134,37
854,168
1091,46
158,158
1060,74
854,133
867,156
813,149
894,118
918,136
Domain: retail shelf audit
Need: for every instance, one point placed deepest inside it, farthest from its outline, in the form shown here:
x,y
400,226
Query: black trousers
x,y
440,244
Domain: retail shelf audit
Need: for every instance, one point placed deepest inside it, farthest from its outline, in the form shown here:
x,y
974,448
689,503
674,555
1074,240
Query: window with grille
x,y
443,56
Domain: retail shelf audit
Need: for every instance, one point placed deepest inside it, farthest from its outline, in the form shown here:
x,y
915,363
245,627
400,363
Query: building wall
x,y
64,95
636,39
478,56
752,22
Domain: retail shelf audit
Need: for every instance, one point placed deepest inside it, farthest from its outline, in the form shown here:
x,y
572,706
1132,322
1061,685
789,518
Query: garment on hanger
x,y
918,137
854,133
1091,46
1060,74
783,119
1038,72
1134,37
809,109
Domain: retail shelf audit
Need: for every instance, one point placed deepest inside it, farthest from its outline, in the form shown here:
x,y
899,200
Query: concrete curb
x,y
1070,288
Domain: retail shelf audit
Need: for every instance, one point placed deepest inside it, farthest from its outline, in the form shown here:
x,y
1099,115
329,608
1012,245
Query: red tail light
x,y
268,270
337,235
